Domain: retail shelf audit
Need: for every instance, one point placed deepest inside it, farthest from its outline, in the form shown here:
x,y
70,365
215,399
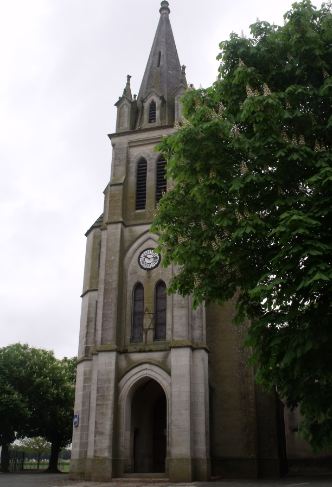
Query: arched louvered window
x,y
138,314
141,185
161,182
160,302
152,112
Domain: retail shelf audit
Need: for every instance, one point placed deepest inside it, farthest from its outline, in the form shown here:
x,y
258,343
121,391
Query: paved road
x,y
48,480
34,480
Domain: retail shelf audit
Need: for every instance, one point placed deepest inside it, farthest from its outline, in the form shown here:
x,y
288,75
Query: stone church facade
x,y
161,388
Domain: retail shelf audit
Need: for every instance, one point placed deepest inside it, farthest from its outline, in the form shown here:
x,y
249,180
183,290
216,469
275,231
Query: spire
x,y
163,73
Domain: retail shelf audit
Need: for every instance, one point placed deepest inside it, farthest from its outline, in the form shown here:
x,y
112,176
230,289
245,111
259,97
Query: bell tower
x,y
153,374
142,394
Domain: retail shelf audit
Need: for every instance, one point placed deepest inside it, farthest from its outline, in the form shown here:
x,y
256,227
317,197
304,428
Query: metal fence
x,y
16,461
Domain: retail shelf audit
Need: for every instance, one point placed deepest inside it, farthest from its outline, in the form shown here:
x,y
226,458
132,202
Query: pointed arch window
x,y
137,313
160,303
141,184
161,181
152,112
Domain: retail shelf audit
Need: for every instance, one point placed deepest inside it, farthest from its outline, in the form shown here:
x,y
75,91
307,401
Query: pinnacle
x,y
127,90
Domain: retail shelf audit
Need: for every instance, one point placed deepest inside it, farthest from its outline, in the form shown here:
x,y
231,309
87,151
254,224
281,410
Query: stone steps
x,y
144,478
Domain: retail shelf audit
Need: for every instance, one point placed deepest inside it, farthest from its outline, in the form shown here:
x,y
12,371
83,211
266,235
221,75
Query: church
x,y
162,389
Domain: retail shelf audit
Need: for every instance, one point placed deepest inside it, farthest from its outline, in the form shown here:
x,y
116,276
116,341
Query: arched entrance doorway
x,y
148,427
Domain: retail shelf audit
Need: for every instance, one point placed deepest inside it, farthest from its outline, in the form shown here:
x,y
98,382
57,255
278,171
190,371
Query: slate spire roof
x,y
163,74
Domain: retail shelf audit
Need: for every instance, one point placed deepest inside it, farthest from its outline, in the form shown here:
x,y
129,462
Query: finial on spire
x,y
183,75
127,90
164,7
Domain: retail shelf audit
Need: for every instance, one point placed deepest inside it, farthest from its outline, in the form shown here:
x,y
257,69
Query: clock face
x,y
148,259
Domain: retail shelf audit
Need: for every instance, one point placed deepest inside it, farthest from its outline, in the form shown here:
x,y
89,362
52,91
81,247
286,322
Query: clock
x,y
148,259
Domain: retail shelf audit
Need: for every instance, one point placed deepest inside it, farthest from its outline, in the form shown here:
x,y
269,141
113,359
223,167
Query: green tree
x,y
249,212
13,415
14,408
57,413
43,388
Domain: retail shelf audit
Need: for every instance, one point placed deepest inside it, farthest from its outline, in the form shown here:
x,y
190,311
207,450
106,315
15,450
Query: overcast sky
x,y
63,66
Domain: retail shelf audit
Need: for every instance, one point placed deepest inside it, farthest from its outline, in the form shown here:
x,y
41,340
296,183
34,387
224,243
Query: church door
x,y
148,427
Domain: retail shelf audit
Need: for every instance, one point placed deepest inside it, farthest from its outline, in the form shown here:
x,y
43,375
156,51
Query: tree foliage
x,y
249,210
36,396
36,446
